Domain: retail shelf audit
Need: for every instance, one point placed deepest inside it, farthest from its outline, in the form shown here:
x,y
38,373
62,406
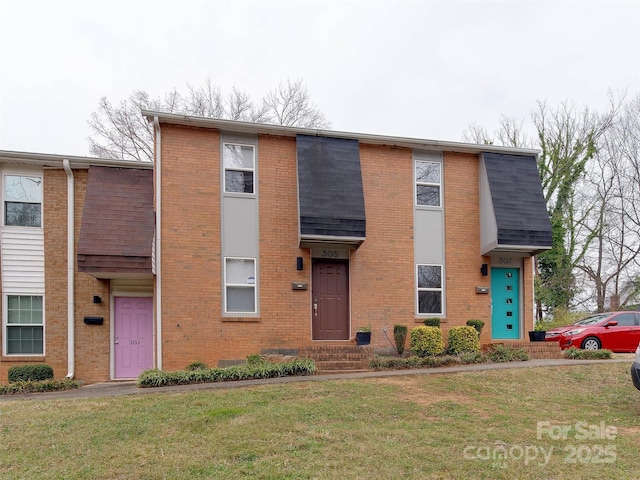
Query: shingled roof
x,y
520,214
331,197
116,235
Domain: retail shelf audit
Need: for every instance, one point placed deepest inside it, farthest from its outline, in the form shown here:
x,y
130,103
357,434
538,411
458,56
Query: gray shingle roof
x,y
518,200
330,187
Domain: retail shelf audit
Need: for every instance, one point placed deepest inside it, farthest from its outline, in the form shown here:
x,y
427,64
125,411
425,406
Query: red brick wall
x,y
191,274
382,269
462,244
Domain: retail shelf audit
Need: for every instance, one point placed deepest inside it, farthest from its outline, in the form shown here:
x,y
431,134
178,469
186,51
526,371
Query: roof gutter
x,y
286,131
56,161
71,332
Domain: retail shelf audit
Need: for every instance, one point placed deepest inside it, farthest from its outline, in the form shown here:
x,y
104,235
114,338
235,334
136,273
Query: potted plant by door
x,y
538,333
363,335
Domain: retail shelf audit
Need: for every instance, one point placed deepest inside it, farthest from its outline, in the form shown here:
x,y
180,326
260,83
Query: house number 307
x,y
505,260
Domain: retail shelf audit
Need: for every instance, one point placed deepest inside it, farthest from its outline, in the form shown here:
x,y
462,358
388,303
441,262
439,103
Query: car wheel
x,y
591,343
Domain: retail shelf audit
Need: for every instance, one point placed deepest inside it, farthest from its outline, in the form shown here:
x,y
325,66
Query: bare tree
x,y
580,212
289,103
612,266
120,131
478,134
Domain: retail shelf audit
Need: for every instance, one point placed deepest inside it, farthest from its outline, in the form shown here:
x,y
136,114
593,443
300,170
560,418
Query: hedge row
x,y
159,378
574,353
497,354
49,385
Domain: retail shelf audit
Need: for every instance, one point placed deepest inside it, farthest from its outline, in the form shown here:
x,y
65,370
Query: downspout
x,y
157,170
71,332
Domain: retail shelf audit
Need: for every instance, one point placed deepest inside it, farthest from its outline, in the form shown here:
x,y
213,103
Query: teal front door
x,y
505,300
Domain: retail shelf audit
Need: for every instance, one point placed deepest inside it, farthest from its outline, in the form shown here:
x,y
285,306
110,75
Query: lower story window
x,y
429,293
240,285
25,325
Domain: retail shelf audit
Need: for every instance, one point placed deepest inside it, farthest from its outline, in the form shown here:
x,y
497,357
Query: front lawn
x,y
579,421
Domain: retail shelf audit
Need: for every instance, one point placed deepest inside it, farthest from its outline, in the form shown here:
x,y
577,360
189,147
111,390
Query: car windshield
x,y
592,319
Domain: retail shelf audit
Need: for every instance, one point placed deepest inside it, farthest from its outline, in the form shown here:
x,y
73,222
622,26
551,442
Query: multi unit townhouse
x,y
244,238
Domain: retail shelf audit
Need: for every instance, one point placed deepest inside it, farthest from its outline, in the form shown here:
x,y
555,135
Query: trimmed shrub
x,y
49,385
574,353
400,336
254,359
463,340
431,322
502,353
159,378
477,324
30,373
196,366
427,341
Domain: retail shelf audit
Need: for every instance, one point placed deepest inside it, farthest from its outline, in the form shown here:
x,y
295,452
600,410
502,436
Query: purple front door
x,y
133,336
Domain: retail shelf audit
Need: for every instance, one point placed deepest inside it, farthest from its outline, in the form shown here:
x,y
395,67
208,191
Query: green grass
x,y
439,426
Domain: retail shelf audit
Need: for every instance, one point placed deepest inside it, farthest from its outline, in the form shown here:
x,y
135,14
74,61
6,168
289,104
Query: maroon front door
x,y
330,300
133,336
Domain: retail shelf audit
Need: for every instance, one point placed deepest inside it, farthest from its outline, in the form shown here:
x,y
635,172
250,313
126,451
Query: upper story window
x,y
239,168
428,180
23,200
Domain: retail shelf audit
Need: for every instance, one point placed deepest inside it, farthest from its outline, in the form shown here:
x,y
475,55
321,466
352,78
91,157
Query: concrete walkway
x,y
114,389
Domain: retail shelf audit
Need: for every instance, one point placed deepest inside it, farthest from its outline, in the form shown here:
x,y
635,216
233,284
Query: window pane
x,y
22,214
23,189
239,156
24,340
241,299
238,181
429,302
428,195
427,172
240,271
24,309
13,302
429,276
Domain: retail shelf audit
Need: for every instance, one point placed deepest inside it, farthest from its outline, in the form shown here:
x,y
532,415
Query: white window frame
x,y
238,169
427,184
6,325
21,173
246,285
430,289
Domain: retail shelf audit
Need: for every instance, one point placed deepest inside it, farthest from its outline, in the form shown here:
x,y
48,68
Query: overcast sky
x,y
424,69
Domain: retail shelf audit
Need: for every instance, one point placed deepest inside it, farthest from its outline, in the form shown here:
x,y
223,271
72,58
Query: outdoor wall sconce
x,y
299,264
484,269
97,299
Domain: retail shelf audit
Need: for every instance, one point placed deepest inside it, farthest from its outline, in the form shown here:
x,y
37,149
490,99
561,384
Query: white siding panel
x,y
23,260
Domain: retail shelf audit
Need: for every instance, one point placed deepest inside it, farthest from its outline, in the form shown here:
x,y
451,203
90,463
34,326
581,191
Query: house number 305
x,y
330,253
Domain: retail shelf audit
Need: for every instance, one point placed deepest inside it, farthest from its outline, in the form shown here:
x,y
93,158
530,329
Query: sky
x,y
421,69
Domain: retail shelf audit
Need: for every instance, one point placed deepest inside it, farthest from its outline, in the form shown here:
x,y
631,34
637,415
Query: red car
x,y
615,331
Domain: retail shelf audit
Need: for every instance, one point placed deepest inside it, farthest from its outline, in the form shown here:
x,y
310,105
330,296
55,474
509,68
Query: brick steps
x,y
338,358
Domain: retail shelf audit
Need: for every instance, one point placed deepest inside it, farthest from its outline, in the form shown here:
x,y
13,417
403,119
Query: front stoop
x,y
535,350
338,358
